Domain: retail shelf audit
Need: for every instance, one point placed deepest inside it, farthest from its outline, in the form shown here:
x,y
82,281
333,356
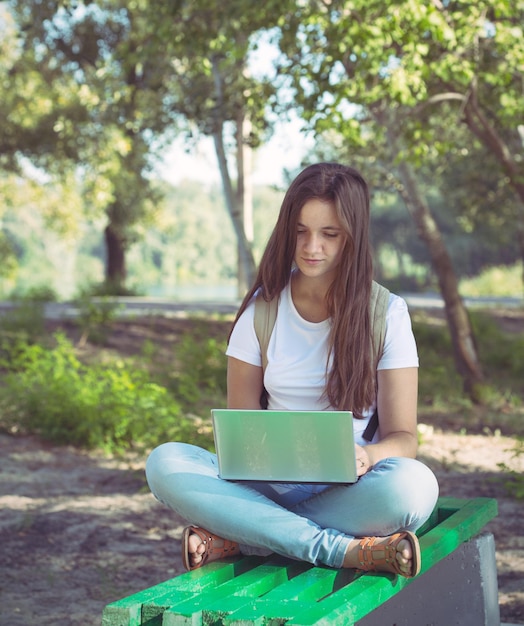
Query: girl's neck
x,y
309,297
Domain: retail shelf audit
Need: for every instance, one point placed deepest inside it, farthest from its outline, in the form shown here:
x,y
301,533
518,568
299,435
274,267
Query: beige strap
x,y
265,317
378,306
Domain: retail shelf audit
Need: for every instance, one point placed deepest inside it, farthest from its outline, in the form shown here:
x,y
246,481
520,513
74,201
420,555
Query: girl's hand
x,y
364,463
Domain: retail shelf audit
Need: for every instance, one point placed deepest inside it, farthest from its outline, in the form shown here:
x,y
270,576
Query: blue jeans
x,y
313,523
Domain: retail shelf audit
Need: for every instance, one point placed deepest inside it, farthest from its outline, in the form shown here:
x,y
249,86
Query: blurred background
x,y
145,147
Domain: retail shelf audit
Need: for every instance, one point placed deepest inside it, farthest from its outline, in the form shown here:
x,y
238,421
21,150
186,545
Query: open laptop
x,y
285,446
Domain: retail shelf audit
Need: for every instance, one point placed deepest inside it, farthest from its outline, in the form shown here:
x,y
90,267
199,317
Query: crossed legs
x,y
322,527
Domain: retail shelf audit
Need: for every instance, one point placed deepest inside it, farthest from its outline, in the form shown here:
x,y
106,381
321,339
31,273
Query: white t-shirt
x,y
297,353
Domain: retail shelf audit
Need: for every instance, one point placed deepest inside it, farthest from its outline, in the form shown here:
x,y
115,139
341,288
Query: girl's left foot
x,y
397,554
199,547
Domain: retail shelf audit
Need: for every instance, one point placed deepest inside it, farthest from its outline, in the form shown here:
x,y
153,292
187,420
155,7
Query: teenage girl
x,y
318,264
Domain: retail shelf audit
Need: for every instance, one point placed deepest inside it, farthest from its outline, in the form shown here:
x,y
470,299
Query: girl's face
x,y
320,240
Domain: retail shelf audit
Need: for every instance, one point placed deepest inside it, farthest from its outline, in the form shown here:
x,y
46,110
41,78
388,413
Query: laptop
x,y
285,446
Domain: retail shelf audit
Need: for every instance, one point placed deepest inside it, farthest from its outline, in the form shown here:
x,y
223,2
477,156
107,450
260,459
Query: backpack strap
x,y
265,317
378,306
264,322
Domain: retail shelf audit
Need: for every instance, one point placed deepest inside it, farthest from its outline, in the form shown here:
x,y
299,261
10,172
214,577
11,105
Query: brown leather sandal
x,y
382,557
216,547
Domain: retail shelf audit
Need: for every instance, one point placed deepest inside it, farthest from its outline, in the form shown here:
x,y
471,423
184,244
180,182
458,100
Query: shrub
x,y
39,293
109,288
514,481
499,351
95,317
494,281
201,370
24,322
52,394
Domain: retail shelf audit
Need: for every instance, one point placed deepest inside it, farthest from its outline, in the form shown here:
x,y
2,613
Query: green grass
x,y
495,281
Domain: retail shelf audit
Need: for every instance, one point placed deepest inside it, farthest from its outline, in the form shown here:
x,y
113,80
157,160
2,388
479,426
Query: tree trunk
x,y
464,345
245,250
246,259
115,259
244,195
463,340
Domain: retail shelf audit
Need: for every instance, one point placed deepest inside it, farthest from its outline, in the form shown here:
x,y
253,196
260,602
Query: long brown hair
x,y
351,380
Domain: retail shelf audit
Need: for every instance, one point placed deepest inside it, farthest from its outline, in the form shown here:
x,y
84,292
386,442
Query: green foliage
x,y
514,481
191,244
25,321
95,316
108,288
495,281
195,243
438,378
9,263
165,393
201,371
499,352
51,393
441,396
39,293
415,76
129,76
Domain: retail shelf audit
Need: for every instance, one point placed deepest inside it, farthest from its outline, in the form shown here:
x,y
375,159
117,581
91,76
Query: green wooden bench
x,y
254,591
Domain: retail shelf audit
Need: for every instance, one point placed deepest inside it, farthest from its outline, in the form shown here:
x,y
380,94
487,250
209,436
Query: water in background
x,y
195,293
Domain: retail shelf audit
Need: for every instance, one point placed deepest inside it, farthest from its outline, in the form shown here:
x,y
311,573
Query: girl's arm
x,y
397,410
244,384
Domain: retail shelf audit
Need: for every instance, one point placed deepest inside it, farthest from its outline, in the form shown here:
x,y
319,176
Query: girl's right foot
x,y
199,547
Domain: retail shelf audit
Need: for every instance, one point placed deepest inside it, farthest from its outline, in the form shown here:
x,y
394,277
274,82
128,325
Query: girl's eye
x,y
332,235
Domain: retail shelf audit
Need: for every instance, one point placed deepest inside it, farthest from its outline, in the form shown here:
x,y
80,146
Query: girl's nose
x,y
312,243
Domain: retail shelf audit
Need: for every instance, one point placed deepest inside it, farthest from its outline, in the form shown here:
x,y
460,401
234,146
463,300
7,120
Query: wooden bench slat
x,y
258,611
241,590
312,585
128,611
297,594
263,612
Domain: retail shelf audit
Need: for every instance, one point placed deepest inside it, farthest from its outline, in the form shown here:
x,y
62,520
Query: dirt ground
x,y
79,529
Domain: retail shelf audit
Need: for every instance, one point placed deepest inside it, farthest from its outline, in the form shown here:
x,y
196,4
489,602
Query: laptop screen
x,y
285,446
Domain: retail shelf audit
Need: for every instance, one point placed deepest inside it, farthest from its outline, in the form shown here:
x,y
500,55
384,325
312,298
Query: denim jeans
x,y
313,523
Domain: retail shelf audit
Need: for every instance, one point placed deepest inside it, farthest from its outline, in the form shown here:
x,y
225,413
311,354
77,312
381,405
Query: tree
x,y
106,60
489,87
216,94
343,54
32,110
140,68
467,53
